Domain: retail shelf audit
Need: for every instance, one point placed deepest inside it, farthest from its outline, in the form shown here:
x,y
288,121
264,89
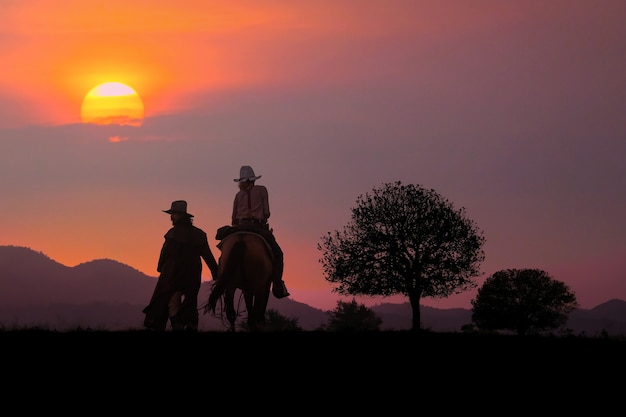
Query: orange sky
x,y
513,110
60,50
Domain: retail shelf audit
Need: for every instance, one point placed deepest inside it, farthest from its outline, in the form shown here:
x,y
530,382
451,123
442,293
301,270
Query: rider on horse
x,y
250,213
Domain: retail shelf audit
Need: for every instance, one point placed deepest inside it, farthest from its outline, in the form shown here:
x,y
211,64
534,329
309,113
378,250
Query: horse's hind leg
x,y
260,305
232,319
252,321
229,306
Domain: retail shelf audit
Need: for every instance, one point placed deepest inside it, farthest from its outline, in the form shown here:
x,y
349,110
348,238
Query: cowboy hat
x,y
180,207
246,173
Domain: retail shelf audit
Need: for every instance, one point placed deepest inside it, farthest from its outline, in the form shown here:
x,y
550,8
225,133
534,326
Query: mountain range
x,y
103,294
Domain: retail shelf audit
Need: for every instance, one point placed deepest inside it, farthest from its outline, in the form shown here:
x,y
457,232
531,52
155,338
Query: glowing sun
x,y
112,103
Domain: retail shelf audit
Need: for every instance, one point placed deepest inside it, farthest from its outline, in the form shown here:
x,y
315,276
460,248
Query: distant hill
x,y
29,278
107,295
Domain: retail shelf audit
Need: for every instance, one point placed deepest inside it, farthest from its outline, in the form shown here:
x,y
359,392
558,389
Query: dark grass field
x,y
378,372
303,346
384,339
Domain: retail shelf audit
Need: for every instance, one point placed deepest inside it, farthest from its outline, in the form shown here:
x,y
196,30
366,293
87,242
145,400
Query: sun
x,y
112,103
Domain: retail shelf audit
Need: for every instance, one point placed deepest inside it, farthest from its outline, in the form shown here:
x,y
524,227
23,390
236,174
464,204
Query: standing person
x,y
251,210
175,296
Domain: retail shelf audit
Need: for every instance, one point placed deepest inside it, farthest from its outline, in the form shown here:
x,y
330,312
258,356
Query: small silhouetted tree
x,y
274,322
277,322
524,301
352,317
404,239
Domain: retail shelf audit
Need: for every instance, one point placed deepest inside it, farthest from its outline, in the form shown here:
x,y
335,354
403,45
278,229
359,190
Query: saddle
x,y
225,231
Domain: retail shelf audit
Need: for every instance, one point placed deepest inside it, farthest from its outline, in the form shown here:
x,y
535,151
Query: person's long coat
x,y
180,269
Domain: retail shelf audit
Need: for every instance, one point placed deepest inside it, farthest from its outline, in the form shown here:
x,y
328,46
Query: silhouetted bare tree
x,y
523,301
404,239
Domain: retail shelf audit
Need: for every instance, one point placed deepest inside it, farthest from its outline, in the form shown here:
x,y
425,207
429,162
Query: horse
x,y
246,264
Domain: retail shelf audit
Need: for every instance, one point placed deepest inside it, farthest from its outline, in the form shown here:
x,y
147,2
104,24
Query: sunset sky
x,y
515,110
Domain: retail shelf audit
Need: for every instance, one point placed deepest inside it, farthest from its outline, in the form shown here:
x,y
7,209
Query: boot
x,y
279,289
191,327
176,323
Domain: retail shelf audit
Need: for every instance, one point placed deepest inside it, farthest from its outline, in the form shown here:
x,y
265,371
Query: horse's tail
x,y
216,293
228,269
